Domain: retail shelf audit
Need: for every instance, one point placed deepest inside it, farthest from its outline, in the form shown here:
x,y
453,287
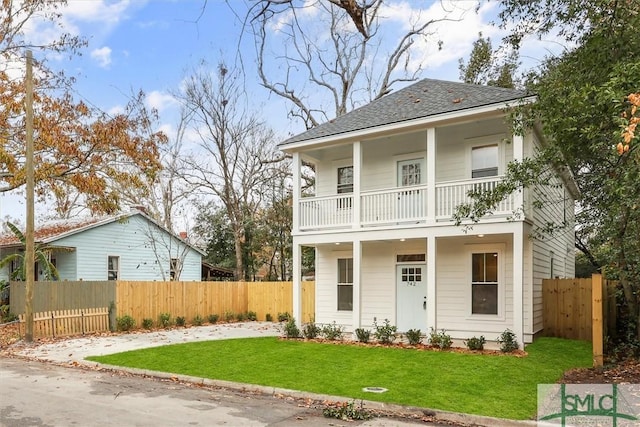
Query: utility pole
x,y
29,255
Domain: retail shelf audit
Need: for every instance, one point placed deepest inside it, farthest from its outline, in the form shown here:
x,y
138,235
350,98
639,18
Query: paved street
x,y
41,394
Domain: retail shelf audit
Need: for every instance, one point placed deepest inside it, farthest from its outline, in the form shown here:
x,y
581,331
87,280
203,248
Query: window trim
x,y
343,284
117,268
498,248
484,141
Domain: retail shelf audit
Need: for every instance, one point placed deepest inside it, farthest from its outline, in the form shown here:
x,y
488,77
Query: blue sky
x,y
149,45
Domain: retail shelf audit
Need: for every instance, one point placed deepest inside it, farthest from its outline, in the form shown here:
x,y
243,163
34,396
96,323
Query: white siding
x,y
327,287
378,283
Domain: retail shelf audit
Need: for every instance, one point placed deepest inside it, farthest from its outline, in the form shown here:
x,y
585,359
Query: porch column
x,y
357,171
431,176
297,172
297,283
518,281
431,284
357,277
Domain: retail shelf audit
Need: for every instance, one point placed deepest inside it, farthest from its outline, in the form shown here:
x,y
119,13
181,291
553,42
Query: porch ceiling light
x,y
337,243
480,235
403,239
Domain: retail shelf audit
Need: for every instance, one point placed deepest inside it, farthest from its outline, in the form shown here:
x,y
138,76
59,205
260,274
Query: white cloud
x,y
159,100
115,110
102,56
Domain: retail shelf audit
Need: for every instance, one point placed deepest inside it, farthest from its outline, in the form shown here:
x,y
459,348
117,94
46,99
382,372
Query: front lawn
x,y
495,385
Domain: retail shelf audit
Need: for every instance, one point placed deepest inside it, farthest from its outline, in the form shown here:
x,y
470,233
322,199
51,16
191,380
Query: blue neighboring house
x,y
129,246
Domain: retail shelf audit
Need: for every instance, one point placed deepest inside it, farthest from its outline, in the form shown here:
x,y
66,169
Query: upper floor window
x,y
345,179
345,284
113,267
174,272
484,161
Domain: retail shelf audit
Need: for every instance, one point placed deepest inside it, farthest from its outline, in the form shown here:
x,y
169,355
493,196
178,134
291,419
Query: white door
x,y
410,202
411,298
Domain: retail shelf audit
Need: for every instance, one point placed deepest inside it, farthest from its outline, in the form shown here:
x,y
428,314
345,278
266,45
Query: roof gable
x,y
424,98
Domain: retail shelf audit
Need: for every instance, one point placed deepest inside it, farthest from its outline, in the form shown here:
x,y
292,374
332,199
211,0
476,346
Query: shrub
x,y
164,320
213,318
363,335
332,332
440,339
147,323
268,317
475,343
508,342
310,330
284,317
413,336
252,316
180,321
291,330
346,411
198,320
386,333
125,323
241,317
229,316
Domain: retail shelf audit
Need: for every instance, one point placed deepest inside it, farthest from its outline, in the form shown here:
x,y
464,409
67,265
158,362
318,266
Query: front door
x,y
410,202
411,298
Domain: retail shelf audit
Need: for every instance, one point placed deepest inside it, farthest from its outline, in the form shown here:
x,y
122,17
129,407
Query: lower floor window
x,y
345,284
113,264
484,283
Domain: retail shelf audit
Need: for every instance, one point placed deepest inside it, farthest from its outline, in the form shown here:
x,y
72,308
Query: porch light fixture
x,y
337,243
403,239
480,235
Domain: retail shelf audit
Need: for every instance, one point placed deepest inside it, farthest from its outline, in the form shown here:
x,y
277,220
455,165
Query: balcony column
x,y
357,171
518,281
297,283
357,279
431,176
518,156
297,173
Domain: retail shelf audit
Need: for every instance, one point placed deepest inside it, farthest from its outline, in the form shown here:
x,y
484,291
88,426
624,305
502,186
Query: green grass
x,y
500,386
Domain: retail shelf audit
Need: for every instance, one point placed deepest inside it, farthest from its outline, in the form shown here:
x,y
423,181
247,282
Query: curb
x,y
411,412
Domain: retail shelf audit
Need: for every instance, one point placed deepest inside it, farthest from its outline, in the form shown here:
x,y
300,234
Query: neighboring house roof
x,y
50,232
424,98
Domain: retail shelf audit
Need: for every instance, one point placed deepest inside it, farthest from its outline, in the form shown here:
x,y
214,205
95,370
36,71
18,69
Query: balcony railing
x,y
405,205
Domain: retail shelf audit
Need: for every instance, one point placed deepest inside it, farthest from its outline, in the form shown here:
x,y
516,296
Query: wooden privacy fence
x,y
68,322
63,295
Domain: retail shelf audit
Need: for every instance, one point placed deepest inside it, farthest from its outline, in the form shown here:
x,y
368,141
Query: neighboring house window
x,y
484,283
113,267
345,185
174,269
484,161
345,284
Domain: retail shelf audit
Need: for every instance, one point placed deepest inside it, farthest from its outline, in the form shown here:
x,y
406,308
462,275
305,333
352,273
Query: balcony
x,y
395,206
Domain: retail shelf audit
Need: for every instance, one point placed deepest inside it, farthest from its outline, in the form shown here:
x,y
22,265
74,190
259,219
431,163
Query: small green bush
x,y
213,318
440,339
413,336
508,342
310,330
346,411
332,332
363,335
147,323
475,343
125,323
284,317
198,320
291,330
252,316
268,317
241,317
164,320
229,316
386,333
181,321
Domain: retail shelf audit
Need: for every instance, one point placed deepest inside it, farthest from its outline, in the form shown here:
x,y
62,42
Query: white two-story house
x,y
388,177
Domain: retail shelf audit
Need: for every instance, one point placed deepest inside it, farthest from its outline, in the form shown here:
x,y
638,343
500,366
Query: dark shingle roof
x,y
424,98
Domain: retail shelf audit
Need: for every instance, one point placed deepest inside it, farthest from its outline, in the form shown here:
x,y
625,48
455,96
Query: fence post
x,y
53,325
112,316
596,317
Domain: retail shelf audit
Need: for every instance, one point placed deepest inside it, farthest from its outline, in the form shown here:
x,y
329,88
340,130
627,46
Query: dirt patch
x,y
626,372
9,334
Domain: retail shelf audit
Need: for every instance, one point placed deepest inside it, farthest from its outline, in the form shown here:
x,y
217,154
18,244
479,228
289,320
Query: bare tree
x,y
323,66
235,156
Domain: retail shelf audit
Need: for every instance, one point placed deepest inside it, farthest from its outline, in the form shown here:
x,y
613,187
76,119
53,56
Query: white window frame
x,y
483,141
118,267
343,284
486,248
